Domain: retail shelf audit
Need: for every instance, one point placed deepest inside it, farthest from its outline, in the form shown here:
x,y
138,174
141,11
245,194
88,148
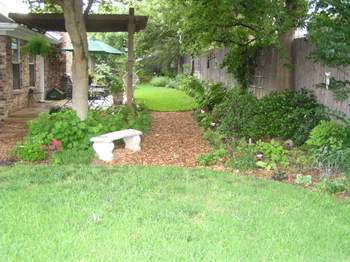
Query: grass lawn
x,y
164,214
163,99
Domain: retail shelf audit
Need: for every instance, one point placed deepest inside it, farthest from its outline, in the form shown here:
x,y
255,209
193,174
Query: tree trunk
x,y
75,26
284,74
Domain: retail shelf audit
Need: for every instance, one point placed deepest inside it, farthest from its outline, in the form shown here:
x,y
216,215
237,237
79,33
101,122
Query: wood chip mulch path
x,y
174,139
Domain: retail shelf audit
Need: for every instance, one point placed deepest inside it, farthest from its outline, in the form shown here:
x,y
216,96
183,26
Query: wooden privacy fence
x,y
306,73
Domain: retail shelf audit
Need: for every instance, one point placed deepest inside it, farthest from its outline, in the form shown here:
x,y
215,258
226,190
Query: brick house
x,y
24,78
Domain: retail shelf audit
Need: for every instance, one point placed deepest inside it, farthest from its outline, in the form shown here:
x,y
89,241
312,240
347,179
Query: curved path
x,y
174,139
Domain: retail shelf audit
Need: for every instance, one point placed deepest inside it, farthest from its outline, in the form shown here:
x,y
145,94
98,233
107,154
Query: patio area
x,y
13,128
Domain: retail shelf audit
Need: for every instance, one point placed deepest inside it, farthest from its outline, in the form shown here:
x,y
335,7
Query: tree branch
x,y
88,7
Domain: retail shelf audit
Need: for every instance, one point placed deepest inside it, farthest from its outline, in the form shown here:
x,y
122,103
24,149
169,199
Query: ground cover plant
x,y
163,99
85,213
74,134
276,127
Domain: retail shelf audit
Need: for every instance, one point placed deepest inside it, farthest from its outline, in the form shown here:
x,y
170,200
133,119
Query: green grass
x,y
86,213
163,99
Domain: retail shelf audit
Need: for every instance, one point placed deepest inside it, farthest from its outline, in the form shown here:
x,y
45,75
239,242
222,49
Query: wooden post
x,y
131,30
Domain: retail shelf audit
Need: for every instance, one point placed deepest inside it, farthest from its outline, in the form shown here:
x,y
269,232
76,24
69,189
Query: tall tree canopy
x,y
242,26
329,30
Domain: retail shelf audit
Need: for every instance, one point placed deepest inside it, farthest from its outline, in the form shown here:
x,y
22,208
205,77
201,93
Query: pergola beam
x,y
94,22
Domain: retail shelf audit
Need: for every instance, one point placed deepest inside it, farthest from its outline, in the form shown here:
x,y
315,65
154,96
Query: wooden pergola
x,y
94,23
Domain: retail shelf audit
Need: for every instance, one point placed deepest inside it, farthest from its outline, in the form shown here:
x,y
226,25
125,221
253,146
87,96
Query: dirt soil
x,y
174,139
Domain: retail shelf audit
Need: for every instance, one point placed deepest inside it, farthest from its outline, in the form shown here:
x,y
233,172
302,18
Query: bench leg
x,y
104,151
133,143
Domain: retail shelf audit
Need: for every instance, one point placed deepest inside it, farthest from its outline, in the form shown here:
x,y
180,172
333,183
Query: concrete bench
x,y
103,145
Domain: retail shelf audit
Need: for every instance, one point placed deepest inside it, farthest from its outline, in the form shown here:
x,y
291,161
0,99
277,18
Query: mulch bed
x,y
174,139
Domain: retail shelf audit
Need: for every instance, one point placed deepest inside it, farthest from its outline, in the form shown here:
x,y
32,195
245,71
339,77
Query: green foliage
x,y
287,114
329,31
72,156
236,112
206,95
303,180
332,186
31,149
160,81
66,127
340,89
242,28
117,86
37,45
159,44
212,157
274,155
243,156
329,134
329,147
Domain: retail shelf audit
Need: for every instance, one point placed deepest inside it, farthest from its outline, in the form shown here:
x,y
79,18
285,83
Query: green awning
x,y
96,46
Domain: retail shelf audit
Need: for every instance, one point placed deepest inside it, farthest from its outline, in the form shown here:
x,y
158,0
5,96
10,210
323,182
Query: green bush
x,y
72,156
332,186
160,81
66,127
274,155
31,149
330,134
288,114
243,156
329,147
236,112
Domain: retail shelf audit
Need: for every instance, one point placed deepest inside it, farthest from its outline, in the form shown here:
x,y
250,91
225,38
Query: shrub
x,y
31,149
288,114
193,87
329,133
329,147
332,186
243,156
160,81
235,113
66,127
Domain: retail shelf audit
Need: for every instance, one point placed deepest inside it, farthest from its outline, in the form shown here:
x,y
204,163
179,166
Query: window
x,y
16,63
31,70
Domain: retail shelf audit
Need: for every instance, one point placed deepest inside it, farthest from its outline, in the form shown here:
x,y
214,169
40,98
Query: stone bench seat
x,y
103,145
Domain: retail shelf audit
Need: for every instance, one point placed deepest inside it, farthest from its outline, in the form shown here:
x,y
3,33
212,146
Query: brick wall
x,y
11,99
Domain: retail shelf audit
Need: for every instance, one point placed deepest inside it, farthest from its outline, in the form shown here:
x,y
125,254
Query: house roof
x,y
5,19
94,22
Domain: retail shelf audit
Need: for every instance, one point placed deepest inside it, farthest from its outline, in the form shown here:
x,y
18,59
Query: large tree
x,y
329,30
73,11
242,26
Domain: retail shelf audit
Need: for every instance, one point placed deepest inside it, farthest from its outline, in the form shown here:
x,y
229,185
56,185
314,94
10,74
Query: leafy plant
x,y
236,112
212,157
243,156
331,186
160,81
274,155
31,149
340,89
73,133
116,85
288,114
37,45
303,180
